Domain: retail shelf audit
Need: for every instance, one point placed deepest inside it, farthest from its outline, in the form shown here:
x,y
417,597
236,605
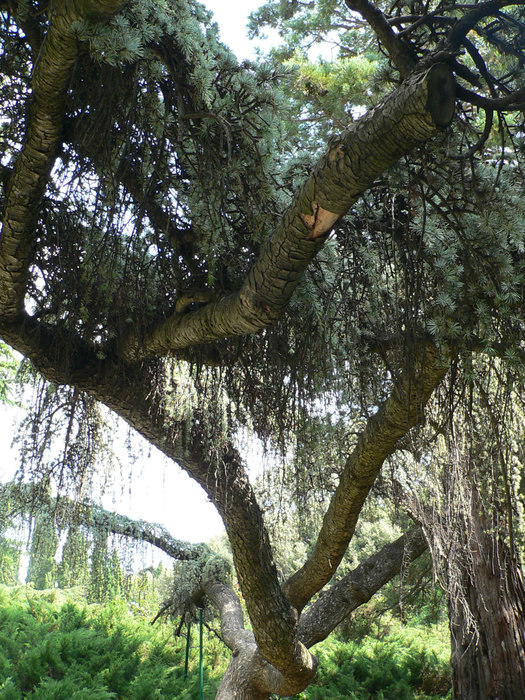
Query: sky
x,y
232,18
158,490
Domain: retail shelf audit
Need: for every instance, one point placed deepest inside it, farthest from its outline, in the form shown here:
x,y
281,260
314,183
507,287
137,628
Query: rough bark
x,y
51,76
411,115
487,625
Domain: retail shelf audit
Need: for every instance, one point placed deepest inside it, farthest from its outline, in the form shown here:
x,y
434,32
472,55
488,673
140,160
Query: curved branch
x,y
401,411
469,20
51,76
230,612
152,533
23,497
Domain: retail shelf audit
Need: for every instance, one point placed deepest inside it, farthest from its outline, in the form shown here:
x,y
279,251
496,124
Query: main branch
x,y
422,106
51,76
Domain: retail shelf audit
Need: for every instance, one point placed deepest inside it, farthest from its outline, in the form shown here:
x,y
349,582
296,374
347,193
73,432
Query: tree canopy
x,y
318,251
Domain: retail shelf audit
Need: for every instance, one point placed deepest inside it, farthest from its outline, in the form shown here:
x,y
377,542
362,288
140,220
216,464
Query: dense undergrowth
x,y
52,648
407,663
55,647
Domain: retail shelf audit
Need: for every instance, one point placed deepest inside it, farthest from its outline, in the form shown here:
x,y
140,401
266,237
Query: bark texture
x,y
411,115
249,676
51,74
488,625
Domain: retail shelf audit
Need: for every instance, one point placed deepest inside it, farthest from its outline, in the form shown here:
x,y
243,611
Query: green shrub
x,y
51,650
406,663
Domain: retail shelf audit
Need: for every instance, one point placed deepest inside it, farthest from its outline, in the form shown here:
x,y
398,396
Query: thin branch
x,y
469,20
24,496
399,51
513,102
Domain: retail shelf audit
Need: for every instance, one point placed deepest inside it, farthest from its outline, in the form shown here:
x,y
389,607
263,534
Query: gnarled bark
x,y
487,624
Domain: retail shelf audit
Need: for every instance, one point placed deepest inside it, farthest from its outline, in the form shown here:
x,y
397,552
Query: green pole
x,y
188,642
201,664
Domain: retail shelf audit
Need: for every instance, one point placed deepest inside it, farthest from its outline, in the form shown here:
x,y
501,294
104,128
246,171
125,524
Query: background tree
x,y
41,571
73,567
133,240
471,510
10,549
8,367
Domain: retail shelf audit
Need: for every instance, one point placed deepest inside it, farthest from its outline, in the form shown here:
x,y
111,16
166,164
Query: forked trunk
x,y
242,679
488,628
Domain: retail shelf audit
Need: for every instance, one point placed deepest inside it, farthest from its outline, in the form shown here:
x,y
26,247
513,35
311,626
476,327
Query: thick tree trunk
x,y
488,625
238,681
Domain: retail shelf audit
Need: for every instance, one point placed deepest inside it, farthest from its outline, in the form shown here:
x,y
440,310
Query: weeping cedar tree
x,y
168,213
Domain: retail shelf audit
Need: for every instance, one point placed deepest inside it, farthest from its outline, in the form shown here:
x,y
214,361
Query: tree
x,y
73,567
475,533
148,221
8,366
41,571
10,551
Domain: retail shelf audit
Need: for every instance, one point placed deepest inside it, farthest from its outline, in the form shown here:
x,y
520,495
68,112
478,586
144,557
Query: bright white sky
x,y
232,18
159,491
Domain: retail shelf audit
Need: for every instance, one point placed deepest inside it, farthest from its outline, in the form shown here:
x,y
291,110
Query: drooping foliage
x,y
149,207
145,242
